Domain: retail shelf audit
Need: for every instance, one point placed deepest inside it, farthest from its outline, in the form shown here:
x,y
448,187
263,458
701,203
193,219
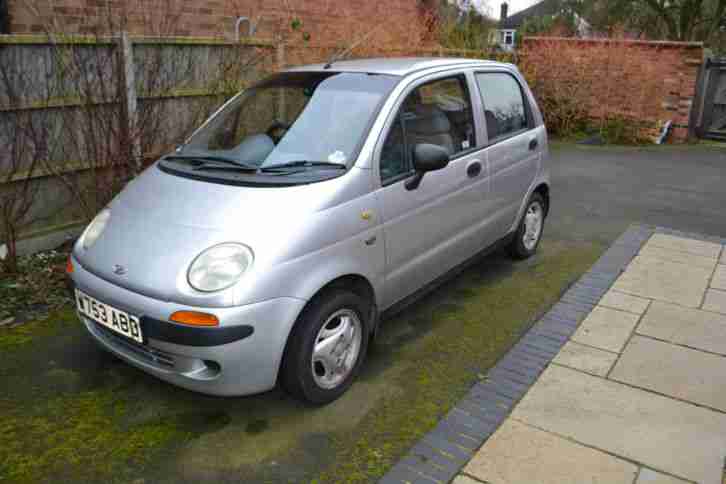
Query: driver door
x,y
432,228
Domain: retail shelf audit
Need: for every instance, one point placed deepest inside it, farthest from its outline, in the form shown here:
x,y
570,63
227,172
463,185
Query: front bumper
x,y
252,339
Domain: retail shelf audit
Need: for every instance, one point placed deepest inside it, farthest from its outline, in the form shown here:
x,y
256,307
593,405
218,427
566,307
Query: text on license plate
x,y
114,319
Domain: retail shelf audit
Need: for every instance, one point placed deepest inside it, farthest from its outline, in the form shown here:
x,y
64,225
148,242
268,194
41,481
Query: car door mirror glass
x,y
429,157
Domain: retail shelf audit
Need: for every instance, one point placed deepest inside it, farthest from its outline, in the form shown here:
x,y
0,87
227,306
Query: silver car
x,y
268,247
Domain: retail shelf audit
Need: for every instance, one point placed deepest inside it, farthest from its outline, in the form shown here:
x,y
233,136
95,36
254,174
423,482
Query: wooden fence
x,y
103,102
82,105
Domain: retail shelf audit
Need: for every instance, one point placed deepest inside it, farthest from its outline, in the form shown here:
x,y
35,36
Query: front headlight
x,y
219,267
95,228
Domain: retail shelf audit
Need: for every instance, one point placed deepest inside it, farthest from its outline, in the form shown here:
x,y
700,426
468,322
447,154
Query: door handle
x,y
533,143
473,169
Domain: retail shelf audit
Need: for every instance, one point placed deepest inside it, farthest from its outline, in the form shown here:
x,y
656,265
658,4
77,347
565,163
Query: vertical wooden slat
x,y
126,58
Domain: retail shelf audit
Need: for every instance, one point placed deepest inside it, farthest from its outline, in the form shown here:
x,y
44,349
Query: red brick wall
x,y
323,20
648,82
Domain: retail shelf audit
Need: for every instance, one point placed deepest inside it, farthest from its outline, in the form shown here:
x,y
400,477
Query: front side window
x,y
438,112
295,117
504,108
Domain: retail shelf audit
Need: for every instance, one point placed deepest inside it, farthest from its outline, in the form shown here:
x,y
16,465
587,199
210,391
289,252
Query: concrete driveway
x,y
597,192
635,394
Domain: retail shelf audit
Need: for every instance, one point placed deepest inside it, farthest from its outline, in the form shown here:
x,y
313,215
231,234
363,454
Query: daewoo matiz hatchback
x,y
266,248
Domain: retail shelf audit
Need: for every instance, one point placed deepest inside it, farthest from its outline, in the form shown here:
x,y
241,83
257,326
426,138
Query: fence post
x,y
4,17
129,108
695,116
280,55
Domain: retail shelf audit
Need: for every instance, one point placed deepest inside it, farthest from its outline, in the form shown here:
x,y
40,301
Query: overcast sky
x,y
491,7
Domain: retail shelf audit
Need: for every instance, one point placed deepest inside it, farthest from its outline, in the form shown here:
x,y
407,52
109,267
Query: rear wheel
x,y
326,348
529,232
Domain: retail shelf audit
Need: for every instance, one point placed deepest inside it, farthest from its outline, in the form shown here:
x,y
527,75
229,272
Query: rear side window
x,y
505,110
438,112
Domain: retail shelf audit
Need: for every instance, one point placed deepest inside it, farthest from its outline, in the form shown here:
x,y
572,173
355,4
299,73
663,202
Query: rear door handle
x,y
473,169
533,144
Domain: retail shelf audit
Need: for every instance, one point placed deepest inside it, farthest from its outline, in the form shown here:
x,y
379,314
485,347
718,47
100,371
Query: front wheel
x,y
326,348
529,232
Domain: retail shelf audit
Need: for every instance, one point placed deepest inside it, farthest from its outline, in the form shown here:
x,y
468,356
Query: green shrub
x,y
619,130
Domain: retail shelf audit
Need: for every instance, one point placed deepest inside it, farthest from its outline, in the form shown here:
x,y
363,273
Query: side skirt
x,y
447,276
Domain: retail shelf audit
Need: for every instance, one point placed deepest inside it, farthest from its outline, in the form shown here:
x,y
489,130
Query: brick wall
x,y
322,20
646,82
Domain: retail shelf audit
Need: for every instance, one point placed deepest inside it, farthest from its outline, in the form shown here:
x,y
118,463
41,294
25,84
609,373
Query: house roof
x,y
540,9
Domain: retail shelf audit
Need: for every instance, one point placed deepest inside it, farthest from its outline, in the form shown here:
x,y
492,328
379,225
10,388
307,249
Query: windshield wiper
x,y
303,164
235,165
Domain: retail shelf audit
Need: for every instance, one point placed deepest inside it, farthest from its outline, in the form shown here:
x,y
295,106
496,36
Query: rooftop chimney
x,y
503,12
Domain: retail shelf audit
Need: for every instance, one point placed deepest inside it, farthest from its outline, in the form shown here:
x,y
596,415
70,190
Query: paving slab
x,y
683,244
683,284
649,476
518,453
715,301
661,433
723,256
606,328
699,329
585,358
677,371
624,302
659,253
719,278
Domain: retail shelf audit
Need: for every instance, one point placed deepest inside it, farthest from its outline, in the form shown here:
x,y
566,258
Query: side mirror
x,y
426,157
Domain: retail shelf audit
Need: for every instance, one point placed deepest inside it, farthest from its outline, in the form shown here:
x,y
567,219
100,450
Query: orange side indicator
x,y
69,265
193,318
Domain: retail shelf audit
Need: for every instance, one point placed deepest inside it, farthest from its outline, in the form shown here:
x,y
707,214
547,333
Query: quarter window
x,y
504,108
438,112
394,161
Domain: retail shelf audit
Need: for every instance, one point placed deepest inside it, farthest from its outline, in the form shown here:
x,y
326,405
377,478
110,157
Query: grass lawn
x,y
72,413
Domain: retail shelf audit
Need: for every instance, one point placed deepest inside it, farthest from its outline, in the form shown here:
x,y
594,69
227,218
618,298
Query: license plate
x,y
114,319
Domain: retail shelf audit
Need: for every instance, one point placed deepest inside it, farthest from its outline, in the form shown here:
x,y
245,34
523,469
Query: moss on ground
x,y
79,437
20,337
72,413
476,318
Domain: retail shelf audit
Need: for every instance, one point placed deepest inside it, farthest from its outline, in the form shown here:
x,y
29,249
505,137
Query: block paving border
x,y
444,451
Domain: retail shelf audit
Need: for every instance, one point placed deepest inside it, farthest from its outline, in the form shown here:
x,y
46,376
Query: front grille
x,y
147,353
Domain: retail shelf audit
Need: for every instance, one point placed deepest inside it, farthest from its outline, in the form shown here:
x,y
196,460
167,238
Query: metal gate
x,y
713,114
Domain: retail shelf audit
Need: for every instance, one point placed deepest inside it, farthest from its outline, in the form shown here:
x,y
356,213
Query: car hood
x,y
160,222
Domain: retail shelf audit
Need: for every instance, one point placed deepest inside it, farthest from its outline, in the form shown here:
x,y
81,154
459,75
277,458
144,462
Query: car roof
x,y
397,66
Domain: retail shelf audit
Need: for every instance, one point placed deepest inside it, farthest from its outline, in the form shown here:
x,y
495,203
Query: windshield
x,y
294,117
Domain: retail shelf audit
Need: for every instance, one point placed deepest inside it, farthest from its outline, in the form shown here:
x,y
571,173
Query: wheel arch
x,y
357,284
544,190
540,186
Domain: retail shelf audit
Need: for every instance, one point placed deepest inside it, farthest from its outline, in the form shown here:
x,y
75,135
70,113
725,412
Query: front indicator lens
x,y
219,267
193,318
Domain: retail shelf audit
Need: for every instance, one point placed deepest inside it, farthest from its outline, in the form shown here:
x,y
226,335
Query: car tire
x,y
319,365
529,232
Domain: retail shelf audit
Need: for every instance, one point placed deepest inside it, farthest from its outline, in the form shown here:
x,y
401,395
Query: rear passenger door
x,y
432,228
513,144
